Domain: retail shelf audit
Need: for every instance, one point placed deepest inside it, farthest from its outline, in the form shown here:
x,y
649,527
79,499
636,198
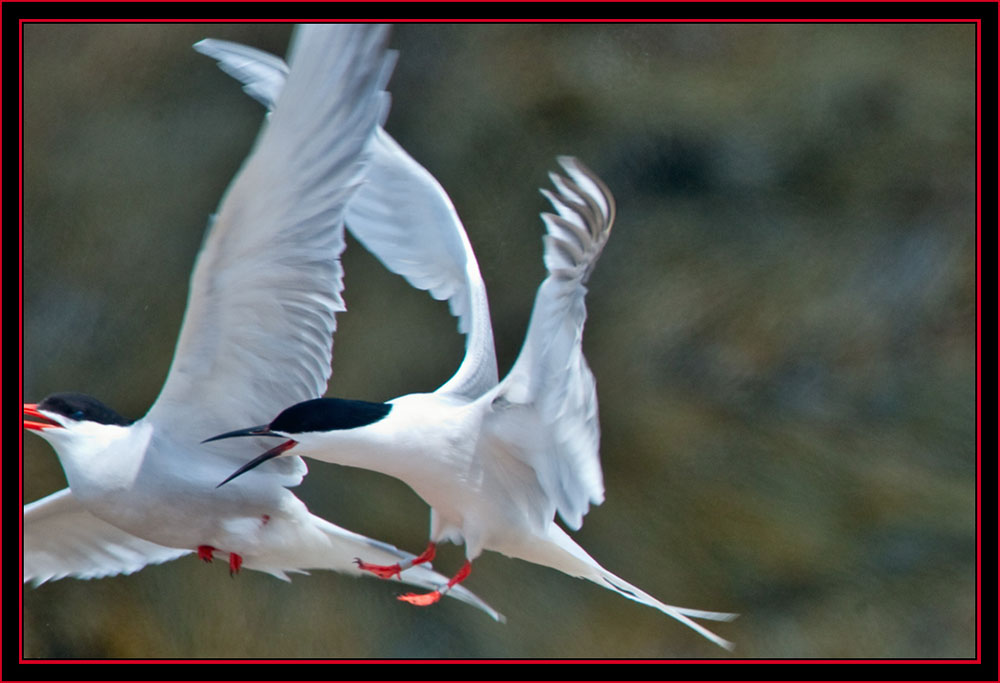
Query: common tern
x,y
256,336
495,460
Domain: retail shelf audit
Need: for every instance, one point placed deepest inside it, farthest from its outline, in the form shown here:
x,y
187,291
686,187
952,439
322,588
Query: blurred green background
x,y
782,328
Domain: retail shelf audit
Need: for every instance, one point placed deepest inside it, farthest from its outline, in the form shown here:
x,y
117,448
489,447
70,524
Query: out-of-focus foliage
x,y
782,327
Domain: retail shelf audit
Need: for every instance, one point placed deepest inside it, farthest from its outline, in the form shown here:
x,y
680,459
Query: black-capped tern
x,y
495,460
256,337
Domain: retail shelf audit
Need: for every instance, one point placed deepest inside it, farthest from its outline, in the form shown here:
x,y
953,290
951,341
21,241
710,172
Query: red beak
x,y
32,410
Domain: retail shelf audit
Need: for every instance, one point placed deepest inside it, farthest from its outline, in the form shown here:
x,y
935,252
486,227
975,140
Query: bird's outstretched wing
x,y
261,73
257,333
62,539
403,216
548,402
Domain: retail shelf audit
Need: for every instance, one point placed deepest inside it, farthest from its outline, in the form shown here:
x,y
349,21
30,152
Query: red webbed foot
x,y
205,553
235,562
424,599
420,599
388,571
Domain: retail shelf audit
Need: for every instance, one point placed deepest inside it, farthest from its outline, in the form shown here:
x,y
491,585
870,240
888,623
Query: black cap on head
x,y
82,407
327,414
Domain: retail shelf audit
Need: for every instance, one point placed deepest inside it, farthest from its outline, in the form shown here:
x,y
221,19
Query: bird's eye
x,y
77,415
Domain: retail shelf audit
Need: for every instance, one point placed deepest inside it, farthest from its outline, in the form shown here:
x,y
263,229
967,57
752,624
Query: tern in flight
x,y
256,336
495,460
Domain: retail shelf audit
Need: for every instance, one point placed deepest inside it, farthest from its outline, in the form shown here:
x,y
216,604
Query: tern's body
x,y
434,443
128,476
495,460
256,335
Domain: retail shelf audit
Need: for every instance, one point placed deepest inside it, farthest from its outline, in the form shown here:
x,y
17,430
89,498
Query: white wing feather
x,y
261,73
257,333
403,216
62,539
550,376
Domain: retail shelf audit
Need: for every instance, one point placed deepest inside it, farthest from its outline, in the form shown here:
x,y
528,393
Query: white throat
x,y
98,458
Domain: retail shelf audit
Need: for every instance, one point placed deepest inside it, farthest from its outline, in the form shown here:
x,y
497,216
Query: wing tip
x,y
580,227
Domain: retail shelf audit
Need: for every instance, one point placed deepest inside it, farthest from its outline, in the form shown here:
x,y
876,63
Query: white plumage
x,y
256,336
495,460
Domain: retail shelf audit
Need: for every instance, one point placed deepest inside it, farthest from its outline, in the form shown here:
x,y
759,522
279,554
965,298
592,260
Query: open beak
x,y
31,409
262,458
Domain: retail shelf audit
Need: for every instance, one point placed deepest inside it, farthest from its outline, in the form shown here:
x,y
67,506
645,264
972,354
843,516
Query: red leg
x,y
235,561
424,599
388,571
382,571
462,574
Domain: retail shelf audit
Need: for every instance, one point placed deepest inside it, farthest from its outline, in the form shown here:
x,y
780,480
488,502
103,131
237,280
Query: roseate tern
x,y
256,336
494,460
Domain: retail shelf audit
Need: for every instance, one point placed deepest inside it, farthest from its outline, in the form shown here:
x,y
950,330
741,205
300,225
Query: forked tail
x,y
565,555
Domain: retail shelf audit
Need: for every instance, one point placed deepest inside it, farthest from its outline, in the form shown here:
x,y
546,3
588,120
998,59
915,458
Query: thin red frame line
x,y
979,490
978,657
126,662
20,322
637,20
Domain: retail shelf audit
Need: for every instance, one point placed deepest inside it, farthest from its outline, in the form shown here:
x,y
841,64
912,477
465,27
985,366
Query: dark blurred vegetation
x,y
782,327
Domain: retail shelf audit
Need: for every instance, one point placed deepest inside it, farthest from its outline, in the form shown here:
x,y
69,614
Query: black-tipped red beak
x,y
262,458
31,409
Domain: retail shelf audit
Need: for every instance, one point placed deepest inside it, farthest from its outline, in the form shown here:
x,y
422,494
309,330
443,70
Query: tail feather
x,y
564,554
328,546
